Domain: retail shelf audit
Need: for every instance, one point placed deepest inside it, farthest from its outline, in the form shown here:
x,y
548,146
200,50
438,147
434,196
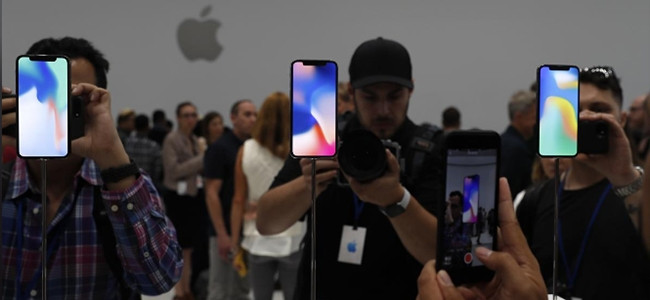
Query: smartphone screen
x,y
43,86
558,110
469,212
470,198
313,108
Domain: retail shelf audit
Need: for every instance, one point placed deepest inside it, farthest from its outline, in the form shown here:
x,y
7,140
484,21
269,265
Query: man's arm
x,y
645,208
146,239
416,227
284,205
212,189
238,200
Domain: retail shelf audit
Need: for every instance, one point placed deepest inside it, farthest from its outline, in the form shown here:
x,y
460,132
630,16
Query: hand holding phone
x,y
471,190
313,108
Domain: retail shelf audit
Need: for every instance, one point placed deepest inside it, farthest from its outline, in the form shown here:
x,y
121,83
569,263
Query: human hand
x,y
101,142
617,164
383,191
517,273
224,246
326,170
8,118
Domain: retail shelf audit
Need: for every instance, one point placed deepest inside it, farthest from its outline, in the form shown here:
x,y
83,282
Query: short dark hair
x,y
234,109
74,48
141,122
456,193
605,79
158,115
183,104
451,116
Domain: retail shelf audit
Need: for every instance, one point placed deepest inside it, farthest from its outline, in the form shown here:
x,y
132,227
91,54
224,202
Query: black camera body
x,y
593,137
362,156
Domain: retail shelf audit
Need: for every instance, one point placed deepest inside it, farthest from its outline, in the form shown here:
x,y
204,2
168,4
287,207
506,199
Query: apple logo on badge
x,y
352,247
197,39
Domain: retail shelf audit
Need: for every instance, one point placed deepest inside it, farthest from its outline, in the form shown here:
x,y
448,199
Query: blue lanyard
x,y
571,276
358,208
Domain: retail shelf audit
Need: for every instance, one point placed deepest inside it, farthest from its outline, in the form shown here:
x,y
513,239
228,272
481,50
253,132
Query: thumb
x,y
501,262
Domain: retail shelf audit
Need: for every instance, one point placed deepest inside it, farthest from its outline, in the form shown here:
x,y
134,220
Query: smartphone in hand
x,y
43,90
468,216
313,108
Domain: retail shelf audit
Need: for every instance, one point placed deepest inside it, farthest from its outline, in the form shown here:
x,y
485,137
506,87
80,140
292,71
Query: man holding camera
x,y
372,237
602,255
94,183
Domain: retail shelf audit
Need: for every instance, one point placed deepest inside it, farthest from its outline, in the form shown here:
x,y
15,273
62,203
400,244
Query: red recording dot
x,y
468,258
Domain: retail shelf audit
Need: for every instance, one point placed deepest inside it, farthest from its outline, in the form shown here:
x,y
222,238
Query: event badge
x,y
352,241
181,187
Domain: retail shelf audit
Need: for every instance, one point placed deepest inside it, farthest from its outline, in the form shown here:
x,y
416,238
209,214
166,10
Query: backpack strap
x,y
424,141
106,236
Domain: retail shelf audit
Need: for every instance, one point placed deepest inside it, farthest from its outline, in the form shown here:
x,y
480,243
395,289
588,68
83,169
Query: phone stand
x,y
43,228
313,229
556,218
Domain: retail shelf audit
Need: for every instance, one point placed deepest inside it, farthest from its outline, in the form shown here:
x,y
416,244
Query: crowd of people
x,y
218,212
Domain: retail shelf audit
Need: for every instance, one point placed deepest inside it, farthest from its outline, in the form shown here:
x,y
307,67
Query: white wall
x,y
472,54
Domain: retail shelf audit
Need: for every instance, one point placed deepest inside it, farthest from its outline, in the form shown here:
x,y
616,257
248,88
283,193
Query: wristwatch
x,y
398,208
631,188
112,175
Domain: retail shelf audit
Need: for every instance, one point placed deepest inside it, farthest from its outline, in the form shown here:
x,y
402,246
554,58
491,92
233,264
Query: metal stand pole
x,y
556,218
44,228
313,229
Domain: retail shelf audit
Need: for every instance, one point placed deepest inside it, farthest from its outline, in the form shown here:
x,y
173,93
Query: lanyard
x,y
571,276
358,208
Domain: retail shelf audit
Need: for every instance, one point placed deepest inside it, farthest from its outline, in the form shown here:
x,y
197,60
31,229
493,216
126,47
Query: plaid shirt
x,y
146,154
146,240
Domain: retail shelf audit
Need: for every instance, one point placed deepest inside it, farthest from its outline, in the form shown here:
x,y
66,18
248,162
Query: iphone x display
x,y
313,108
558,110
43,86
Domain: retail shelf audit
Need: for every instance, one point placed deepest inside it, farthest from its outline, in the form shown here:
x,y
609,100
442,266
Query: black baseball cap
x,y
380,60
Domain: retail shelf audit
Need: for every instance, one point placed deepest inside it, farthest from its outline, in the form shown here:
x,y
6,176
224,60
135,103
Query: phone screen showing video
x,y
469,212
558,111
42,108
313,108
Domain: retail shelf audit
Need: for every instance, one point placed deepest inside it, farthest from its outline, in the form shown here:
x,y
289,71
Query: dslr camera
x,y
593,137
362,156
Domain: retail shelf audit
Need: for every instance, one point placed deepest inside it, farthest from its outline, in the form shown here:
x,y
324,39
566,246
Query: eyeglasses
x,y
188,115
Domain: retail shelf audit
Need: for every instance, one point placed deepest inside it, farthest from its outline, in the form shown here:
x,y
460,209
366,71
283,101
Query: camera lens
x,y
362,155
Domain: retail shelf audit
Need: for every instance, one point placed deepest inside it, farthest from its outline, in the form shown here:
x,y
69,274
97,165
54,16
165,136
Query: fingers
x,y
511,236
428,288
502,263
393,165
93,92
8,119
447,288
6,90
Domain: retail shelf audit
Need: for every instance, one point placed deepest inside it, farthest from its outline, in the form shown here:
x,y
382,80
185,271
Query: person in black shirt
x,y
361,252
602,255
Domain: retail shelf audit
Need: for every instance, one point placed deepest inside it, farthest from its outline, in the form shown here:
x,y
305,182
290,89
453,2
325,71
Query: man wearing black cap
x,y
372,237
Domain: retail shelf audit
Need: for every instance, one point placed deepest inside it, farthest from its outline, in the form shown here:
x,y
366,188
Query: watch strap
x,y
635,186
398,208
112,175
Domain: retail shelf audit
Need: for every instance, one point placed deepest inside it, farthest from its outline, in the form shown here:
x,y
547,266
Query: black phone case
x,y
467,139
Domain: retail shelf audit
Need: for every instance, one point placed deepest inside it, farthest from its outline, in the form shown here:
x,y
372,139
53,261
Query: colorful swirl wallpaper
x,y
314,110
43,107
558,111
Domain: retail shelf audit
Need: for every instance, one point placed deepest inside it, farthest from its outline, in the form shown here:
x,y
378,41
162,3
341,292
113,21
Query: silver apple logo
x,y
197,39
